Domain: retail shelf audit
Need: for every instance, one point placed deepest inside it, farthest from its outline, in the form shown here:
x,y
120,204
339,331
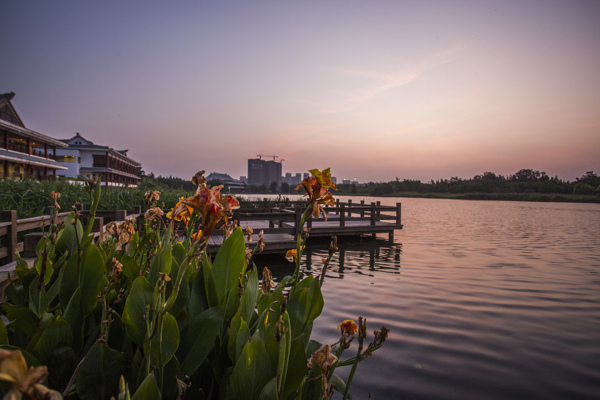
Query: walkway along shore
x,y
279,221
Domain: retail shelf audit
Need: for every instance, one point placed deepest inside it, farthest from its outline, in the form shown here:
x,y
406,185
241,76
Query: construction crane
x,y
260,156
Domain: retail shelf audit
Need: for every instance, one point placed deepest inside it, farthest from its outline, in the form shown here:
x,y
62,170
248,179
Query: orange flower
x,y
196,236
182,212
293,253
316,188
209,204
348,327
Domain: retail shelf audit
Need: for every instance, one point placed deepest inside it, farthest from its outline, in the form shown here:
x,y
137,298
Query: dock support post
x,y
373,214
297,220
11,235
342,215
398,214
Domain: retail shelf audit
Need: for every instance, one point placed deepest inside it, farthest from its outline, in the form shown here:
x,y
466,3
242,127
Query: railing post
x,y
297,220
120,215
281,208
98,226
373,214
378,210
337,205
398,214
349,206
362,212
11,234
30,242
342,215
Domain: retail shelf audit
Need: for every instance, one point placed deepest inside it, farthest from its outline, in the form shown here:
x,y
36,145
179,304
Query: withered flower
x,y
123,232
248,256
260,245
325,359
25,382
248,233
151,196
55,196
267,281
116,269
153,212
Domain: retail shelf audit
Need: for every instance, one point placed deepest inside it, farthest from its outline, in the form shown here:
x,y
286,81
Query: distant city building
x,y
346,181
84,158
264,172
224,179
24,153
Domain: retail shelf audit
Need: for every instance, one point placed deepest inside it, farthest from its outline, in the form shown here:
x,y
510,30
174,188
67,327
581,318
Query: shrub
x,y
148,315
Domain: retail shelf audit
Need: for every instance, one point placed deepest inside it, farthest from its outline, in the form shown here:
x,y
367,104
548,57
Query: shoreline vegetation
x,y
29,197
145,313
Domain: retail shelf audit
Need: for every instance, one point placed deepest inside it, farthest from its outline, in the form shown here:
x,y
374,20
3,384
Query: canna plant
x,y
148,314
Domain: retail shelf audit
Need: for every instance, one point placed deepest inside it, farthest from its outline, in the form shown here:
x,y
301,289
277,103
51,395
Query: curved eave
x,y
31,134
29,160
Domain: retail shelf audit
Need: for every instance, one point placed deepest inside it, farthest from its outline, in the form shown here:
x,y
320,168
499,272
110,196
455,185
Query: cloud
x,y
380,82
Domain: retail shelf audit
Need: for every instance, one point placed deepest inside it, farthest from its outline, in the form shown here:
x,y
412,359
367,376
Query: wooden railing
x,y
13,229
283,217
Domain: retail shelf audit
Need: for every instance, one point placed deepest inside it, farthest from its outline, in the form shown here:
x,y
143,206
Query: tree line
x,y
524,181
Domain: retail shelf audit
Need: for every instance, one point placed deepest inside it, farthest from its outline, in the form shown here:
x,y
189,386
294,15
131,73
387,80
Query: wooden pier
x,y
280,222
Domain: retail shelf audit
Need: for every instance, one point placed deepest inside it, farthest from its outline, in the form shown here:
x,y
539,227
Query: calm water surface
x,y
485,300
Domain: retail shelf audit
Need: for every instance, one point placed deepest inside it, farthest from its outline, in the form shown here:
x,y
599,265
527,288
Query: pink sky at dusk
x,y
373,89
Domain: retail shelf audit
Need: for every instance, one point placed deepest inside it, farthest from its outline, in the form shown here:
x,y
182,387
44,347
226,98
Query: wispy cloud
x,y
380,82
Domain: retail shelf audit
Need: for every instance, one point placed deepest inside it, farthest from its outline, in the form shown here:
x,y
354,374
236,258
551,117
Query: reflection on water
x,y
485,300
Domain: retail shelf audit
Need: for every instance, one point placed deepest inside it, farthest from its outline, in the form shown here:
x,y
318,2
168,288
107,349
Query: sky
x,y
375,90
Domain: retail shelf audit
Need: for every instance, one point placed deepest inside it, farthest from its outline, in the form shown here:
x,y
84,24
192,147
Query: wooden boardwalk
x,y
281,223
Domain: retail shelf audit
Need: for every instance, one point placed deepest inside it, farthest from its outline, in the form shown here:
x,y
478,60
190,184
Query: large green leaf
x,y
229,263
198,339
339,385
130,268
3,335
134,314
162,263
148,390
69,280
251,372
239,333
165,342
210,287
38,300
92,271
269,392
49,335
99,374
248,300
22,318
304,305
69,236
296,367
285,344
74,317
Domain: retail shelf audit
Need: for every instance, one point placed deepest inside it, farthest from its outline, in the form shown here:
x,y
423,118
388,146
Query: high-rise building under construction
x,y
264,172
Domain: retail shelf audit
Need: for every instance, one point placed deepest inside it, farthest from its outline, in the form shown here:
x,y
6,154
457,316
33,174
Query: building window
x,y
68,159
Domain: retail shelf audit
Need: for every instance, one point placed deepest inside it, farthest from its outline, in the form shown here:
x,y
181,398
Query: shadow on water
x,y
360,256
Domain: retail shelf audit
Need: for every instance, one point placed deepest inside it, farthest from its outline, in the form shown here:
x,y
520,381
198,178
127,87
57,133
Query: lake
x,y
484,300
